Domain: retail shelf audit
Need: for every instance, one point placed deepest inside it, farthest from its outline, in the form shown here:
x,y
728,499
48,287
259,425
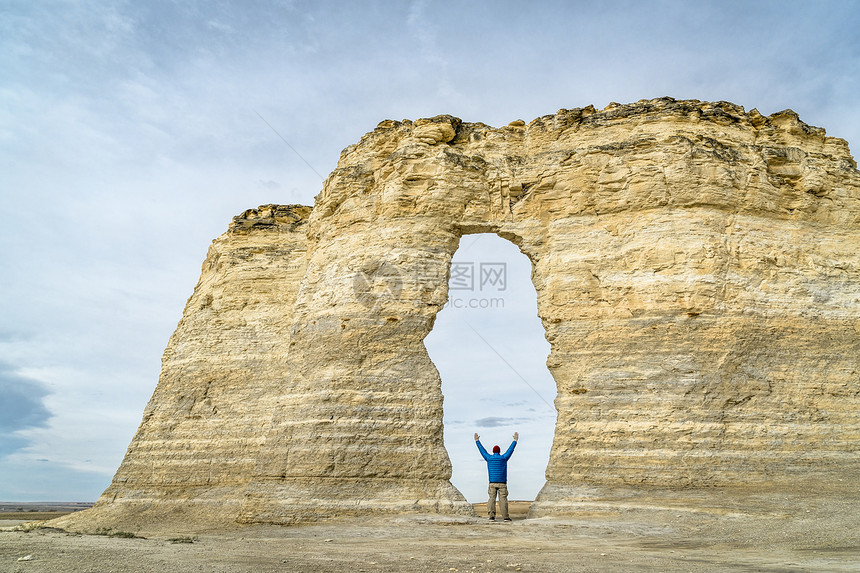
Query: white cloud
x,y
269,184
497,422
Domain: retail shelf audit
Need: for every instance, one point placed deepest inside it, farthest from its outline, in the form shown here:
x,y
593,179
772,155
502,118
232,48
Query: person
x,y
497,468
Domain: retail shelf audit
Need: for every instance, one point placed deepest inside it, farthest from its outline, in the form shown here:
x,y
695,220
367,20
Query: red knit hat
x,y
496,449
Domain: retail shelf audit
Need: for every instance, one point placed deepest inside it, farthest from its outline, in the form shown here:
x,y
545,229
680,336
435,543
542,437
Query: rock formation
x,y
698,275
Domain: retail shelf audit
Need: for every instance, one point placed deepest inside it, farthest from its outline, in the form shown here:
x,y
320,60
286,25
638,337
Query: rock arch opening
x,y
490,349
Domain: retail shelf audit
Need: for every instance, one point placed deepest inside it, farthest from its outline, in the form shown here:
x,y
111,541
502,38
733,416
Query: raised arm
x,y
481,449
513,445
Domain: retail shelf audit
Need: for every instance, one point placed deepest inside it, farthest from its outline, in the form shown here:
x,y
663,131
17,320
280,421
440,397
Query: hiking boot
x,y
507,519
492,518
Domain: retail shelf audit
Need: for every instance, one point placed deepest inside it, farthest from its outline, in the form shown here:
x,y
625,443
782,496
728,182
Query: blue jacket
x,y
497,464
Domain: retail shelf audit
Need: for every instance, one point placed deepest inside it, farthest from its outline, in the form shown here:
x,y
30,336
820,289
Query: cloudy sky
x,y
131,132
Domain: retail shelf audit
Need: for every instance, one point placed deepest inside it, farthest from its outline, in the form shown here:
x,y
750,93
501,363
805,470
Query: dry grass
x,y
32,515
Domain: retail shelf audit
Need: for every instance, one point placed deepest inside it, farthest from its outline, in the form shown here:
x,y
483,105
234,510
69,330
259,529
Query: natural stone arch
x,y
468,350
697,277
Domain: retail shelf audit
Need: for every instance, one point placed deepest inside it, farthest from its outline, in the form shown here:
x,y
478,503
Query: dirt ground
x,y
804,531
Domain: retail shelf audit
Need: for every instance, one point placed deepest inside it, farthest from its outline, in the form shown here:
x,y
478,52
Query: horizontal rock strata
x,y
697,273
195,451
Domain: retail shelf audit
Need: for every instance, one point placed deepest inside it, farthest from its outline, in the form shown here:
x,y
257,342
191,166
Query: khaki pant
x,y
502,490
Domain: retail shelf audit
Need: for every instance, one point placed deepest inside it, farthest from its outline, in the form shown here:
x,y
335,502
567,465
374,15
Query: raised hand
x,y
516,436
477,437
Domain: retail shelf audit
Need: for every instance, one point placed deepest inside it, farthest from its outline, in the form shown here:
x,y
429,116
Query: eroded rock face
x,y
697,274
195,451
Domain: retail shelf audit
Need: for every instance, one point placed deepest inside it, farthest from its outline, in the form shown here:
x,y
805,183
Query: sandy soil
x,y
711,532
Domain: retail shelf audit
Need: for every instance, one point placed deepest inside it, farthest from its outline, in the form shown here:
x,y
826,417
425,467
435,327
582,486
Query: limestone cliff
x,y
198,443
698,277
